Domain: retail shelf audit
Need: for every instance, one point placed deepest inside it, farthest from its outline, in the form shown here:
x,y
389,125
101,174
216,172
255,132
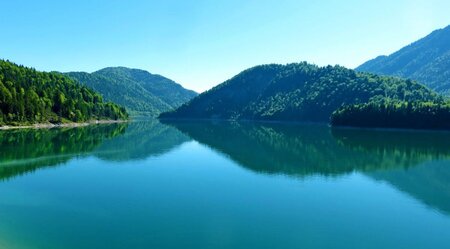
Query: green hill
x,y
426,60
28,96
141,92
296,92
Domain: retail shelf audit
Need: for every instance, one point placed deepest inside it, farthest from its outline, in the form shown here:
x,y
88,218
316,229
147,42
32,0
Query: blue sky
x,y
202,43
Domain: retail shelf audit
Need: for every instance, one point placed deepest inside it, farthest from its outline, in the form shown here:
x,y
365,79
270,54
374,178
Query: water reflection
x,y
422,157
141,140
303,150
25,150
409,147
416,163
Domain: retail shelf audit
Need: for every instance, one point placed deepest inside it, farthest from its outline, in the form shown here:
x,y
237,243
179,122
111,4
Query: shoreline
x,y
50,125
258,121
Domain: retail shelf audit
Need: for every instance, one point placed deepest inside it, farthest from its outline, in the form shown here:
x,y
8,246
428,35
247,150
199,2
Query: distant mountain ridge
x,y
141,92
426,60
296,92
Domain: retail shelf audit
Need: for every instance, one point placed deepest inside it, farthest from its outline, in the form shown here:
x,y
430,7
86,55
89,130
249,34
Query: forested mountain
x,y
426,60
141,92
29,96
297,92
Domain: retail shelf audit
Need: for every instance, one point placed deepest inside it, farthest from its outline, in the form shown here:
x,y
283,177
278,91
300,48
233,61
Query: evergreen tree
x,y
28,96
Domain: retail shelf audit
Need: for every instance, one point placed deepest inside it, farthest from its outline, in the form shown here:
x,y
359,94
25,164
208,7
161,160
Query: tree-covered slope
x,y
296,92
139,91
426,60
29,96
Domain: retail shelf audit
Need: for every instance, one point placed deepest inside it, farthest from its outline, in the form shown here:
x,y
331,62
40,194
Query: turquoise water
x,y
222,185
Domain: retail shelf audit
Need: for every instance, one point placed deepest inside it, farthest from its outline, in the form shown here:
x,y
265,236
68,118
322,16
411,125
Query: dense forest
x,y
426,60
139,91
297,92
394,114
28,96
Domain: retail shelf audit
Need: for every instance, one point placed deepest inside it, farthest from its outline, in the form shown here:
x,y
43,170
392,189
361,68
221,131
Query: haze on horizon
x,y
201,43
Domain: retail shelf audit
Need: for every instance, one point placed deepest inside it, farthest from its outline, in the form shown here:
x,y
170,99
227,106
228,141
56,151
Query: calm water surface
x,y
221,185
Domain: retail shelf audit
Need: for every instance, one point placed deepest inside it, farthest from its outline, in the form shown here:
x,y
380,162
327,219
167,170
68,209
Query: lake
x,y
223,185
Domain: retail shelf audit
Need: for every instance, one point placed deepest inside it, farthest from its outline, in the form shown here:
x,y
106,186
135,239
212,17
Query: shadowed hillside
x,y
426,60
141,92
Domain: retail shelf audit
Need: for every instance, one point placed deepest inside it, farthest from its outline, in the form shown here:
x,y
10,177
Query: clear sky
x,y
201,43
